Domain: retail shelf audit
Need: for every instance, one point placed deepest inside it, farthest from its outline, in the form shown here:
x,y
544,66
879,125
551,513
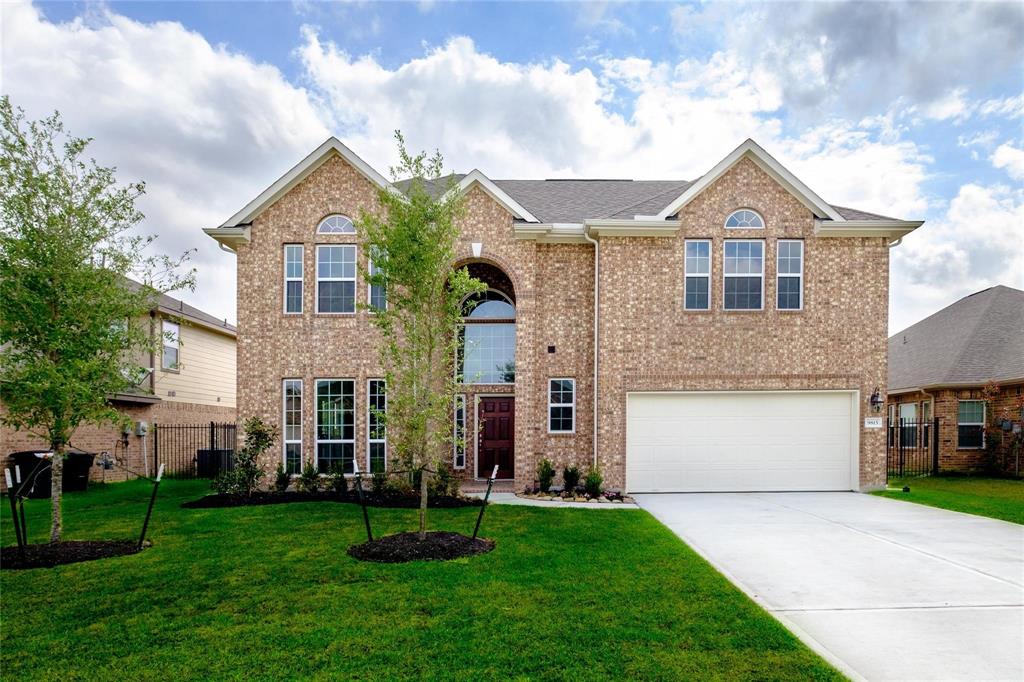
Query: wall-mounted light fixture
x,y
876,400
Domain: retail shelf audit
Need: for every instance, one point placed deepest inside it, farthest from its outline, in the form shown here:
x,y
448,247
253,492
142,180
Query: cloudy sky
x,y
910,110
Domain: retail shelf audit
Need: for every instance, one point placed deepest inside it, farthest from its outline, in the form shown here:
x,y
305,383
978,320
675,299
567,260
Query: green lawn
x,y
995,497
269,593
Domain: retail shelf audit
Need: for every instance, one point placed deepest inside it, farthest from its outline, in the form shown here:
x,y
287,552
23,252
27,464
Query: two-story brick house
x,y
722,334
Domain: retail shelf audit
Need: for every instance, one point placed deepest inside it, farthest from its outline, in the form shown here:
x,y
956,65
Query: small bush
x,y
245,476
545,474
571,478
398,486
309,479
379,482
444,483
338,482
282,479
593,482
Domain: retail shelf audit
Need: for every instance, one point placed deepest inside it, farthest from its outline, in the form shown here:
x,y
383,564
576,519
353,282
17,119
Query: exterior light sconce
x,y
876,400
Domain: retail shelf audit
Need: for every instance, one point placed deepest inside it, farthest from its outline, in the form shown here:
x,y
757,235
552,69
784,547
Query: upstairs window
x,y
697,285
293,278
488,340
336,279
378,298
172,344
336,224
744,274
790,274
744,219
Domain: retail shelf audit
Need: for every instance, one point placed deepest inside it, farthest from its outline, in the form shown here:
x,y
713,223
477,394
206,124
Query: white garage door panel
x,y
689,442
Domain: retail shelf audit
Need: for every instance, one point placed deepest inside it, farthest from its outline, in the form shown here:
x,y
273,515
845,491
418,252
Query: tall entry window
x,y
488,339
335,425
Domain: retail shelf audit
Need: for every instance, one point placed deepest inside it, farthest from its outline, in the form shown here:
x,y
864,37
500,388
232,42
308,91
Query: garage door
x,y
732,441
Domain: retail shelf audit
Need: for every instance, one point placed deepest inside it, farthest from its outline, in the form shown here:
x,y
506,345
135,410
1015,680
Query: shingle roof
x,y
178,308
577,200
977,339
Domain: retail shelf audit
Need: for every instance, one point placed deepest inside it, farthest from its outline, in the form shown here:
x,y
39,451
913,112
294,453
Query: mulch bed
x,y
403,547
68,552
273,497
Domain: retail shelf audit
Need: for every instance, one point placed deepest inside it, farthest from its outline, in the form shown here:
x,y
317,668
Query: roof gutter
x,y
597,314
927,388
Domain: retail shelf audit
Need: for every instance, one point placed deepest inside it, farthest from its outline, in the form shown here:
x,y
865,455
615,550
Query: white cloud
x,y
952,105
1011,158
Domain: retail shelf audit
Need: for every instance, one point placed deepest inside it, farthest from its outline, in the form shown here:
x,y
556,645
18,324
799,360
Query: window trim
x,y
299,279
369,288
319,279
725,275
984,416
572,406
285,442
459,439
164,345
779,275
707,277
725,223
316,423
369,432
351,224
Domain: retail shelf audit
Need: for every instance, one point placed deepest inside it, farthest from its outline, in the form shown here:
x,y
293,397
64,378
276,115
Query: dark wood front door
x,y
497,437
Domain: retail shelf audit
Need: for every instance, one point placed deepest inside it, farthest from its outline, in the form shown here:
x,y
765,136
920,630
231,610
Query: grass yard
x,y
994,497
269,593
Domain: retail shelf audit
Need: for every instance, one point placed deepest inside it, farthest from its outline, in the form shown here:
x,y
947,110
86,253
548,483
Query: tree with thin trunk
x,y
412,245
72,324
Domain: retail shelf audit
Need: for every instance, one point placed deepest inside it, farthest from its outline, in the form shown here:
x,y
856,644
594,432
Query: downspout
x,y
597,298
896,243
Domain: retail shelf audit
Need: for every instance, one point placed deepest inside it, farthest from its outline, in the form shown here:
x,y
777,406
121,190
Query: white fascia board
x,y
229,237
299,172
633,228
890,229
551,233
496,193
764,160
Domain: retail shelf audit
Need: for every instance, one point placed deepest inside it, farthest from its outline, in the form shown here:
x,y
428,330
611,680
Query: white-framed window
x,y
171,333
377,297
562,406
336,224
908,425
487,343
789,273
970,425
459,432
697,273
293,278
335,425
743,274
336,278
376,427
744,219
291,436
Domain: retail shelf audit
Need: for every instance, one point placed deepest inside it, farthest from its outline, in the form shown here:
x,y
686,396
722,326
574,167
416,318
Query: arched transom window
x,y
744,219
336,224
488,343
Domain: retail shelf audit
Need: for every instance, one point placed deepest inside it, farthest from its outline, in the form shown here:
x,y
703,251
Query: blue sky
x,y
911,109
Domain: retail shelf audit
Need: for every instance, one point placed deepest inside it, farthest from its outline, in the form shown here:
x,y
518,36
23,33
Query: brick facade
x,y
647,340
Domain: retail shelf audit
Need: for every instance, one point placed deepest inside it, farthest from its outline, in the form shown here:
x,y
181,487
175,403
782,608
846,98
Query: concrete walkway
x,y
885,590
512,498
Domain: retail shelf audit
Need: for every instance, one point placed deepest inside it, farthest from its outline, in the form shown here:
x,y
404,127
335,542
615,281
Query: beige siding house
x,y
727,333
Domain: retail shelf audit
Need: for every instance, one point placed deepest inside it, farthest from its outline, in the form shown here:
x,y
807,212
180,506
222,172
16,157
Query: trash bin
x,y
209,463
35,471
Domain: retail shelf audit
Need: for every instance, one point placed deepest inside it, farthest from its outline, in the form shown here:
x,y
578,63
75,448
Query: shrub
x,y
443,483
593,482
282,479
338,482
245,476
398,486
309,479
379,482
545,474
571,477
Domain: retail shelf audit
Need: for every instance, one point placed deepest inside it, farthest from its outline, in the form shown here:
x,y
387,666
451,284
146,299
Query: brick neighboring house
x,y
939,368
191,382
738,336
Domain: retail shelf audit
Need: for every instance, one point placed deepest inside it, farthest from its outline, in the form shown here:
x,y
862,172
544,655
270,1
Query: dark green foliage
x,y
592,484
545,474
339,483
378,482
245,476
282,479
309,480
570,477
218,585
444,482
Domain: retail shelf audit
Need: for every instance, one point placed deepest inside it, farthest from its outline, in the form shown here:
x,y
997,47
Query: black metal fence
x,y
193,450
912,448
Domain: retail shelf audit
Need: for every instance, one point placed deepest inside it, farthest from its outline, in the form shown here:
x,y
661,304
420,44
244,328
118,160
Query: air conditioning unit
x,y
141,428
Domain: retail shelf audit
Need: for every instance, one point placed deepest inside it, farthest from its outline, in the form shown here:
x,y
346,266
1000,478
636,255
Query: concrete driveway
x,y
885,590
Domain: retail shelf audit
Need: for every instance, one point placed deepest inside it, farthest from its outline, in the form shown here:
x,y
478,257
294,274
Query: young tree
x,y
70,320
412,246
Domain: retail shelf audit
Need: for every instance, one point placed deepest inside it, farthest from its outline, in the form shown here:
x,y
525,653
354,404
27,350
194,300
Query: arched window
x,y
488,339
744,219
336,224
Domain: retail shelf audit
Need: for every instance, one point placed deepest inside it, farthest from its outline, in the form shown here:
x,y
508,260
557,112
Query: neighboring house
x,y
191,381
939,367
738,336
